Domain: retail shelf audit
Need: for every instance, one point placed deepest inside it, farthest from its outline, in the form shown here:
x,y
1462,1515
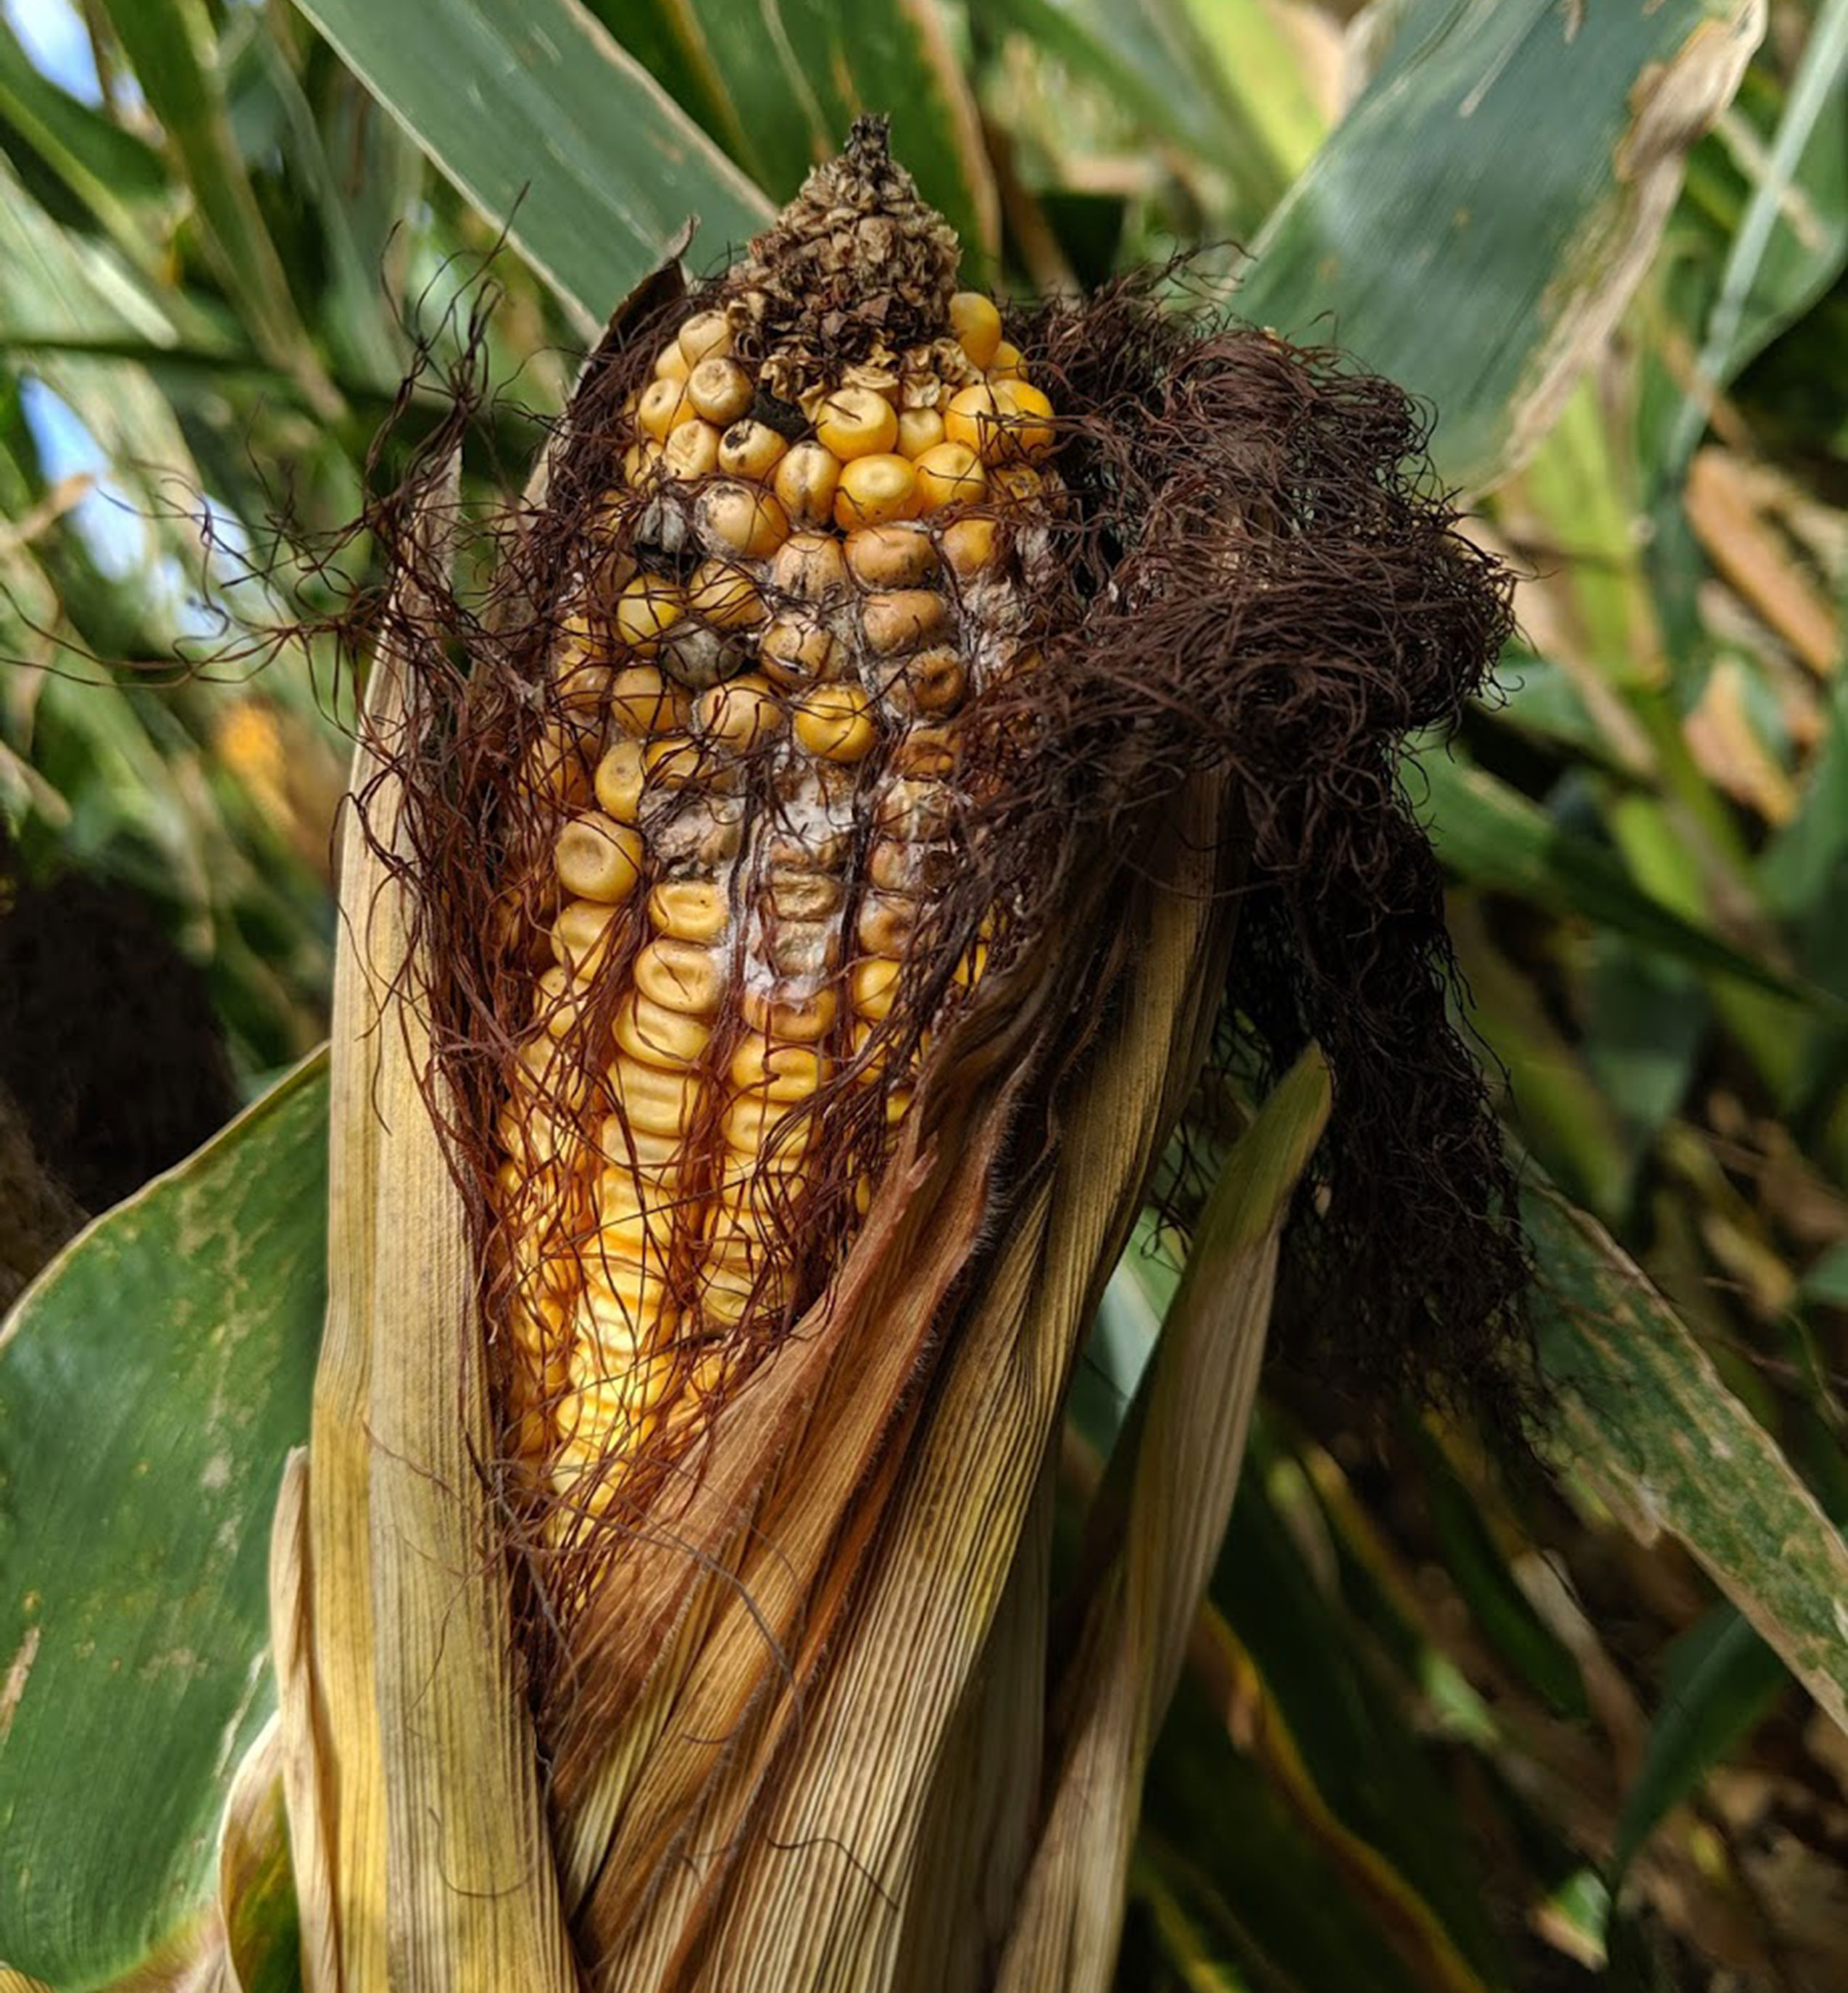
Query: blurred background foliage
x,y
1446,1724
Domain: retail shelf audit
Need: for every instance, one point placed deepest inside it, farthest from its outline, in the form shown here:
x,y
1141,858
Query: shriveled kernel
x,y
1016,483
927,752
806,482
934,681
681,976
856,422
916,811
599,859
977,325
836,722
918,430
796,651
901,619
972,418
875,987
751,449
1025,418
673,761
738,519
801,1019
663,403
689,909
692,449
662,1099
720,592
646,609
651,1031
896,864
885,923
967,547
743,714
951,474
581,936
644,700
874,490
895,556
782,1073
1007,364
809,565
803,896
720,390
619,782
671,363
704,334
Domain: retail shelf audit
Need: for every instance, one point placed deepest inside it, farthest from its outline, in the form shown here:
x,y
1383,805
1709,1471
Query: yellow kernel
x,y
750,449
875,490
704,335
951,474
689,909
1007,364
796,651
1027,418
901,619
895,556
800,1020
619,782
875,988
738,519
692,448
681,976
836,722
581,936
972,418
672,761
647,607
643,700
720,390
663,403
671,363
934,681
805,483
967,547
856,422
662,1100
977,325
753,1122
722,593
919,429
658,1035
599,859
743,714
555,1003
783,1072
642,462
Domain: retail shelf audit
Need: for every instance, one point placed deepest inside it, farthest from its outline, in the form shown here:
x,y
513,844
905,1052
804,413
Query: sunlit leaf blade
x,y
151,1382
784,94
1452,239
549,127
1643,1415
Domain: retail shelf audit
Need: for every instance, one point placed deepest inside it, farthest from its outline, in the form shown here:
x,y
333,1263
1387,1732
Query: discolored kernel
x,y
736,518
900,620
720,390
751,449
809,565
798,651
895,556
692,448
807,482
742,715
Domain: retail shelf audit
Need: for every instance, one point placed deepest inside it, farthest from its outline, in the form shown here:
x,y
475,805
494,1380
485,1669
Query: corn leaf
x,y
1156,1531
552,131
782,98
1455,242
151,1381
1644,1417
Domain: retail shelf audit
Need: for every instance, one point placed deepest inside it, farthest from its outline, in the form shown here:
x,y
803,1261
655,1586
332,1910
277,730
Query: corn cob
x,y
806,569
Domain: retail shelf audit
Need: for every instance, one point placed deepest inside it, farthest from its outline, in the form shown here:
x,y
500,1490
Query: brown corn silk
x,y
825,841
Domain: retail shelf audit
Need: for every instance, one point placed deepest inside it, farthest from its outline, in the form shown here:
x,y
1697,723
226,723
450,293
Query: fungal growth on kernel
x,y
805,566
